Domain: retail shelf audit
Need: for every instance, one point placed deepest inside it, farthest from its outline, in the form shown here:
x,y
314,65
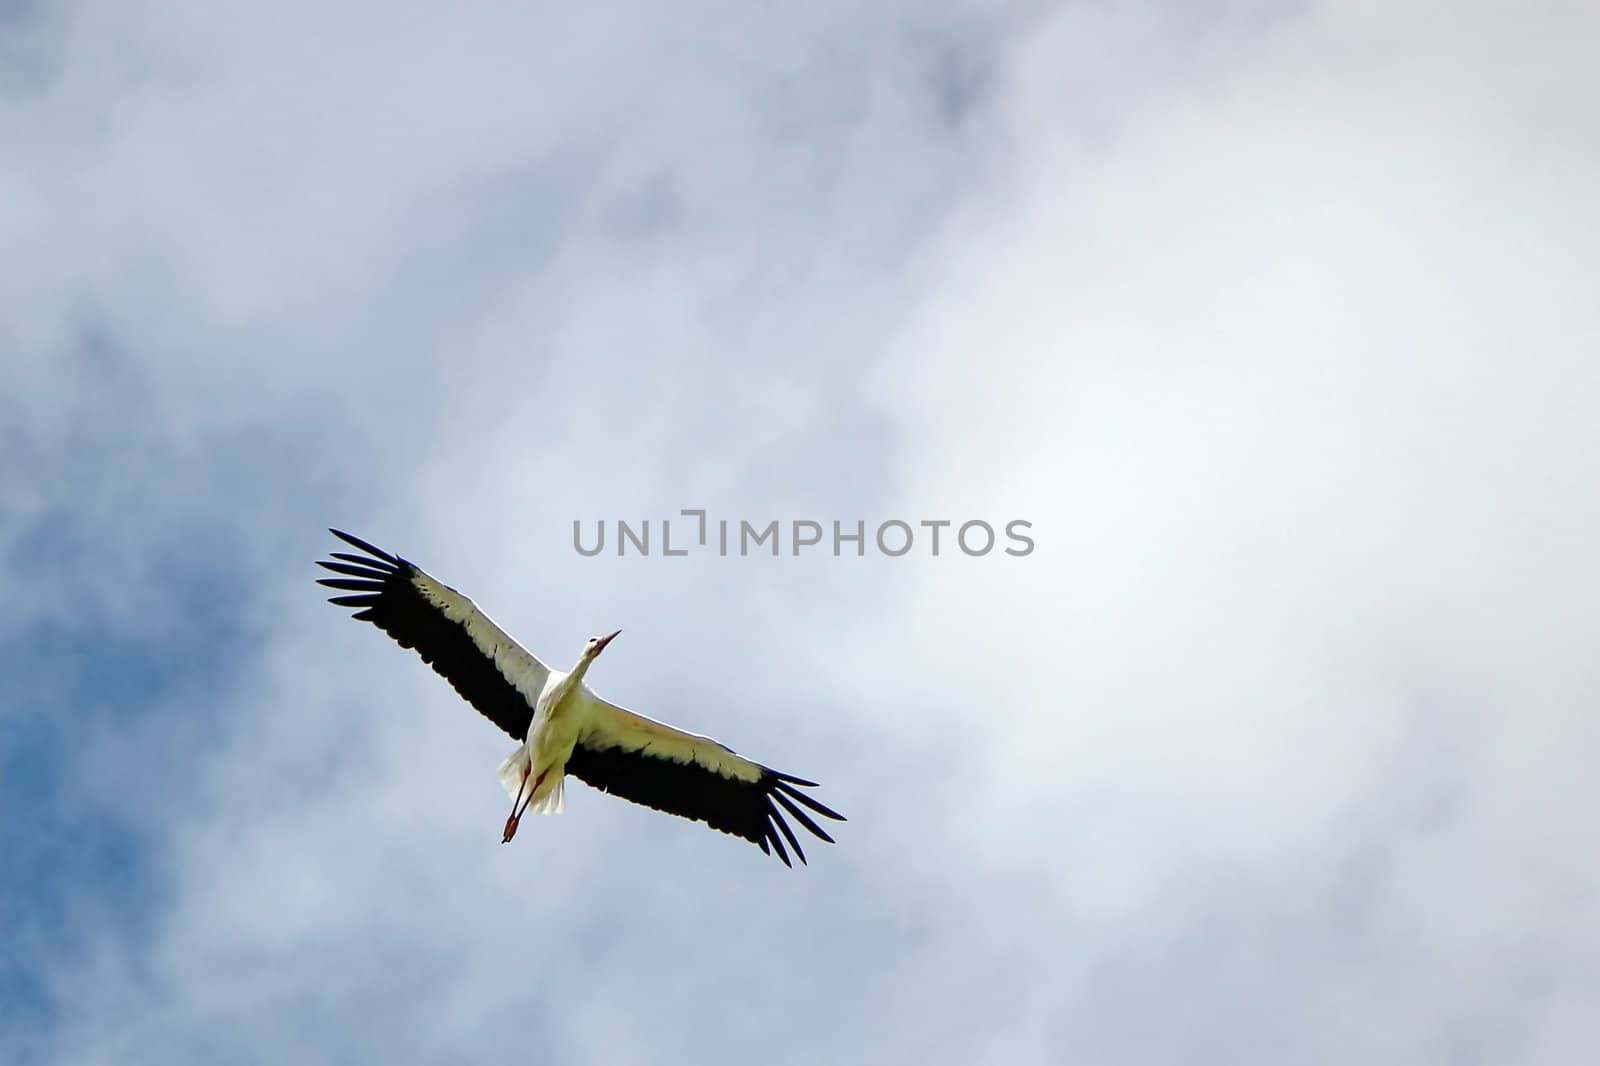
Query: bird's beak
x,y
600,647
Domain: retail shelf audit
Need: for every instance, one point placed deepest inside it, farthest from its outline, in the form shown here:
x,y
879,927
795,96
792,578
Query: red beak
x,y
601,646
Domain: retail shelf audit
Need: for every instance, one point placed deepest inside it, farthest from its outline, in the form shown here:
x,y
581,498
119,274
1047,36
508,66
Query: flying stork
x,y
561,726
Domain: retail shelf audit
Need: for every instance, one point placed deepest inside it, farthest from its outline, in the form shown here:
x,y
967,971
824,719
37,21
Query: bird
x,y
562,728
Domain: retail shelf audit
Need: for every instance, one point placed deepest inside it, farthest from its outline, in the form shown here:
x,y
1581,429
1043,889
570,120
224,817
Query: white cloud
x,y
1272,322
1294,381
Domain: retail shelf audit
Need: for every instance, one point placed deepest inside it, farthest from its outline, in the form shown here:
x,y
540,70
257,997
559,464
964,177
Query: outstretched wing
x,y
692,776
494,673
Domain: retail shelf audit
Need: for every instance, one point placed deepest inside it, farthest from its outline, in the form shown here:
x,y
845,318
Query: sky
x,y
1274,320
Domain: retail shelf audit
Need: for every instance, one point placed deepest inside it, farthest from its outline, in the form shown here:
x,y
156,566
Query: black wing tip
x,y
777,845
365,560
785,781
372,571
790,778
775,819
357,542
351,584
781,787
784,788
367,600
802,817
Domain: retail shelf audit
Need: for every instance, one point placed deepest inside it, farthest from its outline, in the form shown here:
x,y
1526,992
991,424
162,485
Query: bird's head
x,y
597,645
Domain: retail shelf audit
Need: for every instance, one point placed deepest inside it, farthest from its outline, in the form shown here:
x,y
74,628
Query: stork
x,y
561,726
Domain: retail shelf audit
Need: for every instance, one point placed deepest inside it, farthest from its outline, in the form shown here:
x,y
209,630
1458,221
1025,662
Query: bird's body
x,y
552,735
558,717
562,726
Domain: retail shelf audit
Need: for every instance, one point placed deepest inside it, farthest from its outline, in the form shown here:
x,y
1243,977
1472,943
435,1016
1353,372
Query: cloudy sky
x,y
1276,320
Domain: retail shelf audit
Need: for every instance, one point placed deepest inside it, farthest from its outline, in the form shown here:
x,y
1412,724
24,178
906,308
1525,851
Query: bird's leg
x,y
536,783
516,812
511,822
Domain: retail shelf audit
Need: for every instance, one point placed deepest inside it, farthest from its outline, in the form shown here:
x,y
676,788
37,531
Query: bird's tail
x,y
513,769
550,797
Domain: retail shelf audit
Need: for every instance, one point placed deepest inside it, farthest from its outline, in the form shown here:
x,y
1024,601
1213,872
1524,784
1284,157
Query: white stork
x,y
562,726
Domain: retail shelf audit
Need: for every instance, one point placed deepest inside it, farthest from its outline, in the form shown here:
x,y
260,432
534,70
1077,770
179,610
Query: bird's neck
x,y
560,687
578,671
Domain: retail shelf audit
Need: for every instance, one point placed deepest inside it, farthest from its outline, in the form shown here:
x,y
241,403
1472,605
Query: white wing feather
x,y
516,664
605,725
